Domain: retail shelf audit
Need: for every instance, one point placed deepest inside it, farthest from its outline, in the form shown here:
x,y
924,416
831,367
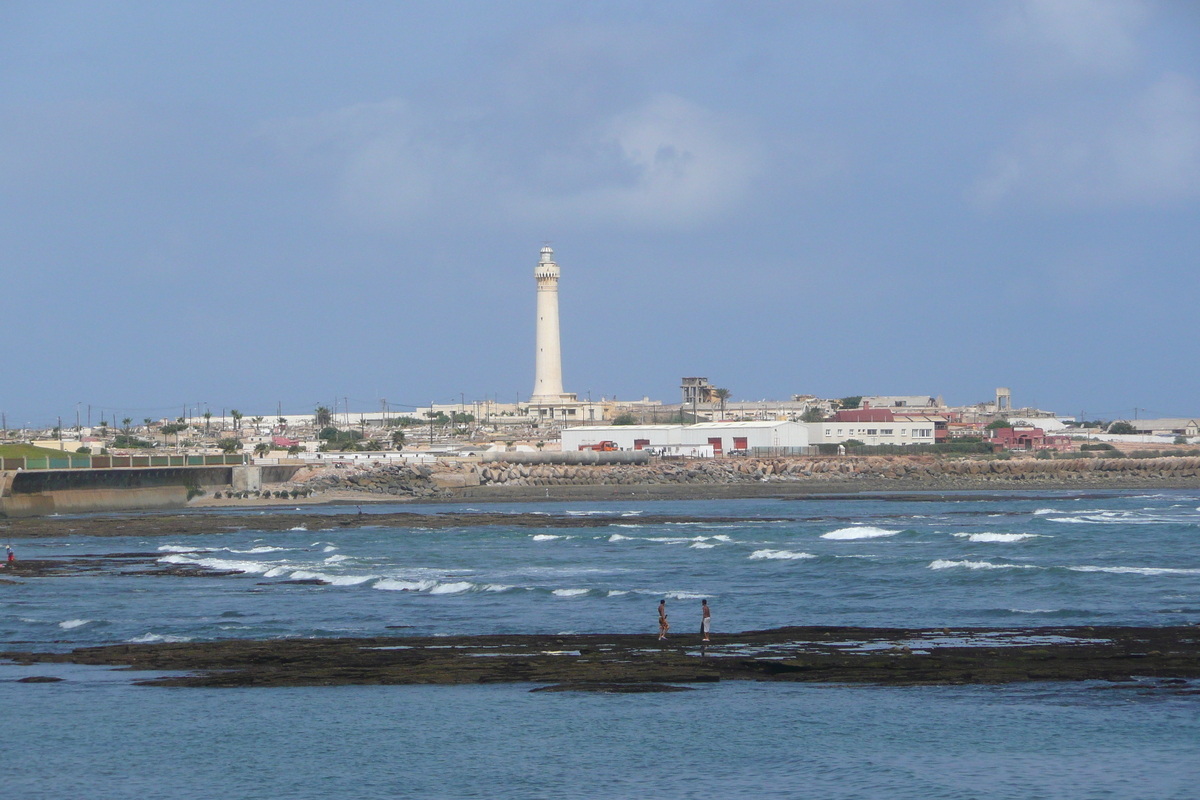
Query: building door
x,y
715,441
739,443
638,444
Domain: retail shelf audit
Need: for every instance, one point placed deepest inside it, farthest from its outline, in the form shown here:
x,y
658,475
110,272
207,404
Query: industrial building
x,y
759,437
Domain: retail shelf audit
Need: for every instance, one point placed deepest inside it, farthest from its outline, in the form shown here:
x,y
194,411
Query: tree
x,y
261,449
1181,440
257,421
237,419
1121,427
812,414
853,401
148,422
295,450
722,395
207,419
398,440
998,423
229,445
127,422
625,419
323,416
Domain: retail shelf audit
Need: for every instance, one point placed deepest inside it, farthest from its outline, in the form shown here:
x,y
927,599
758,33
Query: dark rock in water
x,y
613,688
40,679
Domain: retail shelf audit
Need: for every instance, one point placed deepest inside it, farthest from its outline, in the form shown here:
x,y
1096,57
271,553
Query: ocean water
x,y
1040,559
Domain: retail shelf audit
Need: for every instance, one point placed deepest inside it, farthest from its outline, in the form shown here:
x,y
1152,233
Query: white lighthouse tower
x,y
547,380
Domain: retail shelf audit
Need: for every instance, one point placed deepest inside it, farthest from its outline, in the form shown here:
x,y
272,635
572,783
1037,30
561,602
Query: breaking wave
x,y
858,532
786,555
1138,570
942,563
997,537
73,623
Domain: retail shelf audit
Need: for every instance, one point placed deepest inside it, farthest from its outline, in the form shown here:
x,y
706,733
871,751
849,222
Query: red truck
x,y
601,447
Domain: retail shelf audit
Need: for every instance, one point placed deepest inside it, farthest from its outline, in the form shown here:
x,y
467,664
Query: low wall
x,y
81,501
26,493
571,457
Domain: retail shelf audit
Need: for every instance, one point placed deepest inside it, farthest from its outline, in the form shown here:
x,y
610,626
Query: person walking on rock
x,y
663,625
705,619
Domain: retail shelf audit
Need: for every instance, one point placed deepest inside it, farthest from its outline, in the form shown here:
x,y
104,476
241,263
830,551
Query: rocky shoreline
x,y
731,477
621,662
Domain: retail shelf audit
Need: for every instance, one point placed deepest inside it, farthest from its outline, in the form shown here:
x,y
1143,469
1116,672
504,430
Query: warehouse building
x,y
758,437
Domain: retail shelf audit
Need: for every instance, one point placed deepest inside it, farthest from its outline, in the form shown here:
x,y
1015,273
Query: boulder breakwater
x,y
444,479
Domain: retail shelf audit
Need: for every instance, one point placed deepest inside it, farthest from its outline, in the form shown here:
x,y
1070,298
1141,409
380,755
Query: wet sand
x,y
622,662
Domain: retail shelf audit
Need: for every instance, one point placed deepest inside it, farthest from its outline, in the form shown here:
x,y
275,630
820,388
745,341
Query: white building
x,y
902,430
760,437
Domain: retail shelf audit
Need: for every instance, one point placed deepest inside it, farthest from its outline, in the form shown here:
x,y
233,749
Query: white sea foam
x,y
942,563
570,592
150,638
1137,570
685,596
275,572
1035,610
336,559
452,588
1041,512
720,537
73,623
630,513
624,525
176,548
261,549
588,513
547,537
858,532
702,545
996,537
329,548
397,585
616,537
496,587
333,580
617,592
221,564
786,555
298,528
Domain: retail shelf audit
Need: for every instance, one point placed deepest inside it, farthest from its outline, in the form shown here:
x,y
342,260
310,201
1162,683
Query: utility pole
x,y
60,444
431,425
77,417
89,415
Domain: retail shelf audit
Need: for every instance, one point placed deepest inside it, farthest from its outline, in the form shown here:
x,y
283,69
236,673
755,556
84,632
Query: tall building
x,y
547,376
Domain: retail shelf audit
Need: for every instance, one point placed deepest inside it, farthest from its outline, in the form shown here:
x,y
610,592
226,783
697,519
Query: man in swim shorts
x,y
663,625
705,619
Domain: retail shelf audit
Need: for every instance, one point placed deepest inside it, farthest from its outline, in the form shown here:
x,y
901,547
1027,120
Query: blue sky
x,y
246,204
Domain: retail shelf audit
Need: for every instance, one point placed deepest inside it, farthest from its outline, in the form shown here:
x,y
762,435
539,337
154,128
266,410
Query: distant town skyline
x,y
285,203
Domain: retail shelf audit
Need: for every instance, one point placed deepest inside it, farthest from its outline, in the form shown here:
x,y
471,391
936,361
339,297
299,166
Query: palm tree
x,y
261,449
237,418
721,395
398,440
324,417
148,422
207,418
257,421
126,422
295,450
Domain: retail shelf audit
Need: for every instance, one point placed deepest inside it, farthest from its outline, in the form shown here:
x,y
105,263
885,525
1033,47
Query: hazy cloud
x,y
1074,35
665,162
1147,151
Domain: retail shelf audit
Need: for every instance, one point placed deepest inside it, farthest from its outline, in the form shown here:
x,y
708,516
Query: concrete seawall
x,y
25,493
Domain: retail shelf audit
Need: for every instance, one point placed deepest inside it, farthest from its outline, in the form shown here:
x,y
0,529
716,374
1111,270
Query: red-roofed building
x,y
1028,439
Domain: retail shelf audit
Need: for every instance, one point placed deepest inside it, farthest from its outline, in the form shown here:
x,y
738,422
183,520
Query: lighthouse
x,y
547,376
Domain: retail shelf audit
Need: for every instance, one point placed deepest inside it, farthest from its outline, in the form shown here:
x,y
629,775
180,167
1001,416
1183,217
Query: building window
x,y
827,432
885,431
904,431
870,431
